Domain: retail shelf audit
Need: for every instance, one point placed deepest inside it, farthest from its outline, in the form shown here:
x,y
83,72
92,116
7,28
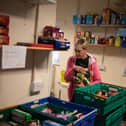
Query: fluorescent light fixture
x,y
42,1
52,1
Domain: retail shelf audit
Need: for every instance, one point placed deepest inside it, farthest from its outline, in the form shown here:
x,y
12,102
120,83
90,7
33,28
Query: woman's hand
x,y
78,69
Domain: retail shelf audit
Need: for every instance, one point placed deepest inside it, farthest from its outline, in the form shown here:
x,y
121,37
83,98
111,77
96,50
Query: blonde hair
x,y
82,43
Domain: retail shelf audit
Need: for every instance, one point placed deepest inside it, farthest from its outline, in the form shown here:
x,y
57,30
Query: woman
x,y
82,68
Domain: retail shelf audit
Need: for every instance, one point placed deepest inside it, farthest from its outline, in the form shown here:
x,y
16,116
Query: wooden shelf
x,y
51,49
42,48
103,45
94,25
39,48
36,48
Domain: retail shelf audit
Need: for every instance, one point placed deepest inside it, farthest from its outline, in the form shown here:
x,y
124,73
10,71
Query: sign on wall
x,y
13,57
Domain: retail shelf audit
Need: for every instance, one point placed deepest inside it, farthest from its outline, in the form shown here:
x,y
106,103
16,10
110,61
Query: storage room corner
x,y
44,79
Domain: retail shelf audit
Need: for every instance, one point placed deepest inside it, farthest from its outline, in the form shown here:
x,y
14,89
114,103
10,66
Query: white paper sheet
x,y
13,57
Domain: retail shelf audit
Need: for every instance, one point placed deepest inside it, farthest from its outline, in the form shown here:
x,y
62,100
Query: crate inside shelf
x,y
87,96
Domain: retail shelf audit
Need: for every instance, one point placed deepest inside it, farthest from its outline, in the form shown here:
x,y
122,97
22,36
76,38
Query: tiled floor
x,y
123,123
5,124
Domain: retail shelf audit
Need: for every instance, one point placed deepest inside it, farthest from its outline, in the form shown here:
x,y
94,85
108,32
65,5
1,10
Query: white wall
x,y
15,84
65,10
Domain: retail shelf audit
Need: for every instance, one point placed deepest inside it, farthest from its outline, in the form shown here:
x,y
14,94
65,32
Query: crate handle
x,y
1,116
87,97
92,98
113,89
36,101
63,102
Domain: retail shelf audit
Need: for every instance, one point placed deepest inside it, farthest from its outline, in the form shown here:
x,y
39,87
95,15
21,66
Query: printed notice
x,y
13,57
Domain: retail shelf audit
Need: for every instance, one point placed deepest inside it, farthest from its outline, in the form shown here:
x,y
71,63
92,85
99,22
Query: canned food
x,y
4,20
4,39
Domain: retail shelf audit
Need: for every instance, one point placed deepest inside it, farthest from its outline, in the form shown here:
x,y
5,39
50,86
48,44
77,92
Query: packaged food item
x,y
4,40
4,31
50,123
4,20
117,41
123,18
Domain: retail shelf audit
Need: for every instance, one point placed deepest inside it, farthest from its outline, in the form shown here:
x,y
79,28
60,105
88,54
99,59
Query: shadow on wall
x,y
40,59
15,7
108,51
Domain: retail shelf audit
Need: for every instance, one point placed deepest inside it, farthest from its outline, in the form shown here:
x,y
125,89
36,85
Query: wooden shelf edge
x,y
39,48
94,25
102,45
99,45
36,48
51,49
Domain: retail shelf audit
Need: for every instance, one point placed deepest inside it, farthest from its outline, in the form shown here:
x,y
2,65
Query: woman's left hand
x,y
79,69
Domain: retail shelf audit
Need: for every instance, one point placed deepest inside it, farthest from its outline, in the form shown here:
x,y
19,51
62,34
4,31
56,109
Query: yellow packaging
x,y
117,41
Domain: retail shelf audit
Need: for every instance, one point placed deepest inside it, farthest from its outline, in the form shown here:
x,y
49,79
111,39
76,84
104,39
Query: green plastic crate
x,y
119,87
112,119
56,109
86,96
5,115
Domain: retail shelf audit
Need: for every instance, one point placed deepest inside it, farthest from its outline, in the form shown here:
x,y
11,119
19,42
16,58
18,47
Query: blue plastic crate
x,y
86,120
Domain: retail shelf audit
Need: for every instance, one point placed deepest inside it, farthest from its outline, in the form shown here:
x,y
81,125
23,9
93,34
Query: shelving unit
x,y
105,27
94,25
105,31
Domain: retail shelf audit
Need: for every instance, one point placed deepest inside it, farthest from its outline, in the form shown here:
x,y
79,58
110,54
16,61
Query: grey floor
x,y
5,124
123,123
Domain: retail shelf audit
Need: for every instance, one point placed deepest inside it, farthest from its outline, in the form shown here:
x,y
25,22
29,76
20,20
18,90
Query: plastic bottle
x,y
117,41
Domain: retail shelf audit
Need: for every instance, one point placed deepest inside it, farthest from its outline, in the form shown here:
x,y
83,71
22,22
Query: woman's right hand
x,y
78,69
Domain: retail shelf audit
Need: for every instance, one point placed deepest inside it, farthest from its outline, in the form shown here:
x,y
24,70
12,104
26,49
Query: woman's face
x,y
80,52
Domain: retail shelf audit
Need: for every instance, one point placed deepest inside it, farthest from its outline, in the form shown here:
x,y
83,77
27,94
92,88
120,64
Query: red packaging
x,y
4,40
4,20
42,45
78,34
49,30
61,34
54,34
4,31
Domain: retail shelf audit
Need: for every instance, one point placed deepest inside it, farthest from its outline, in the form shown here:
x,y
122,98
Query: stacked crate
x,y
4,30
38,113
110,109
14,115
